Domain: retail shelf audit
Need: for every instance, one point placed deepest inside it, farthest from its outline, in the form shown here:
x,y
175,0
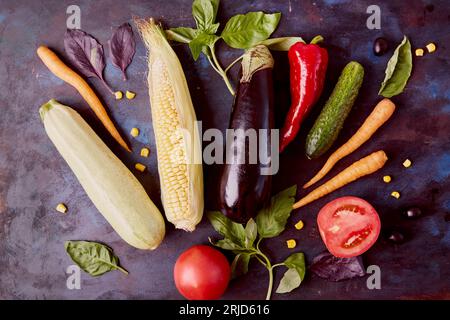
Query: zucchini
x,y
331,119
113,189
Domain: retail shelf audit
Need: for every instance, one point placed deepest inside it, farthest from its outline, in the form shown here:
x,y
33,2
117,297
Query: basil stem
x,y
216,65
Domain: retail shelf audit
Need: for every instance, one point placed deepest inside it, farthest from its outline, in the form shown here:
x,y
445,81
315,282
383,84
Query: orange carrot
x,y
358,169
62,71
380,114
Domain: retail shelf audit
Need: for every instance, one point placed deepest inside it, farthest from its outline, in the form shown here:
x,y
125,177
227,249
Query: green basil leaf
x,y
294,276
181,34
289,282
200,42
281,44
227,228
251,231
296,261
271,220
239,266
212,29
93,257
244,31
398,70
227,244
205,12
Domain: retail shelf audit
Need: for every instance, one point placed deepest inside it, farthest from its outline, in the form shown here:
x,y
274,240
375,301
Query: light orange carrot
x,y
380,114
358,169
62,71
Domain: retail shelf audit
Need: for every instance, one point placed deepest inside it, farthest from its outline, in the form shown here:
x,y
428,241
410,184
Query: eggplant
x,y
245,185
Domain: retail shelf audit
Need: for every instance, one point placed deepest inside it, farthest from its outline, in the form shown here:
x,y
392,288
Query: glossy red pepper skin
x,y
308,66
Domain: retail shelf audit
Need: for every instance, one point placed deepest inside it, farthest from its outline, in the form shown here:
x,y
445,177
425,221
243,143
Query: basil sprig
x,y
398,70
242,31
244,242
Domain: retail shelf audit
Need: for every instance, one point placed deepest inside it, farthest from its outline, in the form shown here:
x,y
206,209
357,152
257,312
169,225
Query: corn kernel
x,y
431,47
134,132
130,95
419,52
61,207
407,163
145,152
291,243
118,94
299,225
395,194
140,167
387,179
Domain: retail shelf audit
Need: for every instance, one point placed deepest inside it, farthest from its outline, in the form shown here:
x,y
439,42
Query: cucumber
x,y
331,119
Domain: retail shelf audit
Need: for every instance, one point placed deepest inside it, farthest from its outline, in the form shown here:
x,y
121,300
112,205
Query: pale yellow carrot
x,y
380,114
358,169
65,73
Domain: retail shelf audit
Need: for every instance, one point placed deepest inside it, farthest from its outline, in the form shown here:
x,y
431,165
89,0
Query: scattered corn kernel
x,y
145,152
431,47
387,179
130,95
134,132
140,167
118,94
291,243
419,52
61,207
395,194
407,163
299,225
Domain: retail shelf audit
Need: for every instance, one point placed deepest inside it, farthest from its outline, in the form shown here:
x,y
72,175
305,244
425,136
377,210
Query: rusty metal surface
x,y
34,178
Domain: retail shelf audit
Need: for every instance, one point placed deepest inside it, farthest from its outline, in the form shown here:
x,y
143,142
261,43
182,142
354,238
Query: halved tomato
x,y
349,226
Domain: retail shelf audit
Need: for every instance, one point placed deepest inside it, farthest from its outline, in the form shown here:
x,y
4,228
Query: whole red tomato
x,y
202,273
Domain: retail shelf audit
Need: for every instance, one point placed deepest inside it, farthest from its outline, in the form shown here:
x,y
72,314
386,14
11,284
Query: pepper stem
x,y
316,39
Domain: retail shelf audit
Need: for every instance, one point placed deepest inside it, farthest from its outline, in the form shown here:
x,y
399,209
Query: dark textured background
x,y
34,178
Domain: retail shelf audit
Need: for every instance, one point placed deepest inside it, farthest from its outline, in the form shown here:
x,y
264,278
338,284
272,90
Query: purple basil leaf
x,y
85,53
331,268
122,47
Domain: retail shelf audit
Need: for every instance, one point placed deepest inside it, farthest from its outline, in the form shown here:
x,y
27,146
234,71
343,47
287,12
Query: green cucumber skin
x,y
331,119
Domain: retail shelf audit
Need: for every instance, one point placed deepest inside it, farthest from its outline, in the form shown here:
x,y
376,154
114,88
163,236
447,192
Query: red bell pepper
x,y
308,66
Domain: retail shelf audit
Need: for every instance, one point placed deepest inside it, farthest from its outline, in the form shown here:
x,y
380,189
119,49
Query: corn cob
x,y
176,133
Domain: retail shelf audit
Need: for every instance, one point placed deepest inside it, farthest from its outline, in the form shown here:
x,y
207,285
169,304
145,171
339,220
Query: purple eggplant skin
x,y
243,189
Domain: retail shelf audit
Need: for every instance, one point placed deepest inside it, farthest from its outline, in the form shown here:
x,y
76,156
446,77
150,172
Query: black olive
x,y
380,46
395,236
412,213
